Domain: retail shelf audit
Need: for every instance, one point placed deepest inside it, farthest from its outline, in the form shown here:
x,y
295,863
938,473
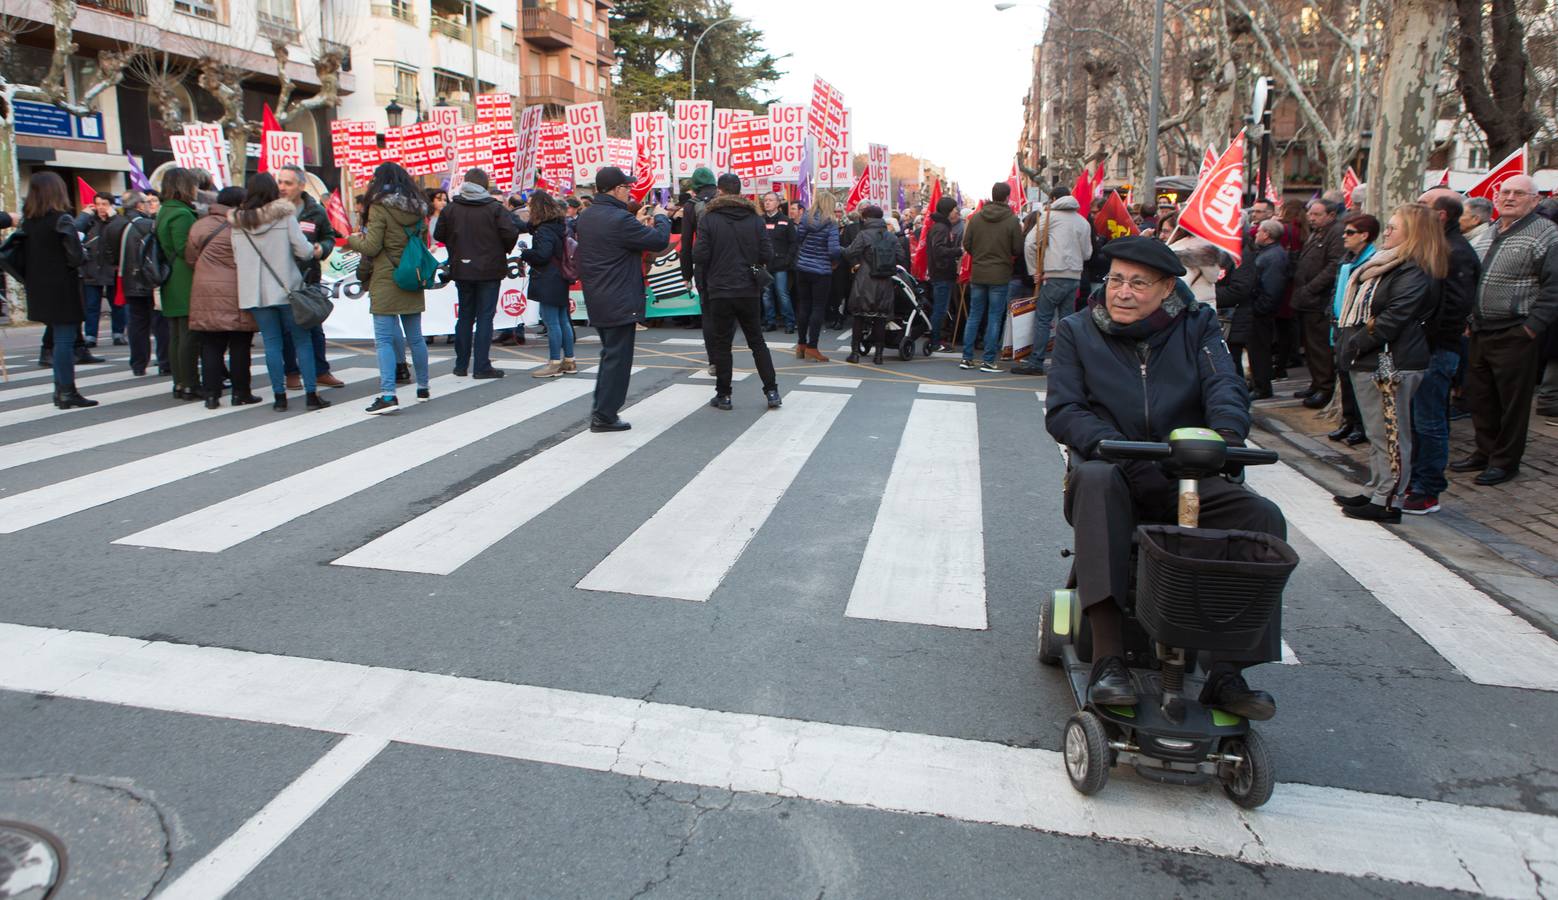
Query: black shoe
x,y
1345,500
70,398
138,373
772,396
967,364
120,342
489,373
1373,512
1228,691
877,356
1340,434
1304,394
244,399
383,406
314,401
600,427
504,339
1317,401
1279,373
1027,370
852,358
164,370
91,344
459,373
281,403
769,326
1496,475
789,329
402,373
84,358
423,395
214,401
721,401
1472,463
1110,684
1354,438
1260,394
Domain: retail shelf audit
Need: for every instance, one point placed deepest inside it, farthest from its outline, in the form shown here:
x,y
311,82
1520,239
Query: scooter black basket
x,y
1209,589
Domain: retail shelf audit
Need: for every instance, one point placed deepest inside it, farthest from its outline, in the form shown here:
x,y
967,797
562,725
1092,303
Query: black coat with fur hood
x,y
732,239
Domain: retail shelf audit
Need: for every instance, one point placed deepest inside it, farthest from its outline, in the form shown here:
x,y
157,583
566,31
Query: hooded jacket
x,y
611,265
479,232
1068,242
547,286
277,240
704,195
993,237
213,298
942,253
872,296
732,239
382,242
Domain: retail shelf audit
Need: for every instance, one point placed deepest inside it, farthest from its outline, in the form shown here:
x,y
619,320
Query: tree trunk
x,y
1415,43
1497,95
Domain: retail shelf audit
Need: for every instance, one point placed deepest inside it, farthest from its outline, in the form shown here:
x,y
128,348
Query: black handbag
x,y
13,255
310,303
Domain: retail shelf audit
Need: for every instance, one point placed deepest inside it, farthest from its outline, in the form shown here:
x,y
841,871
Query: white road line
x,y
595,370
231,522
1324,829
1484,641
948,390
63,498
43,390
925,559
123,429
829,381
684,342
1289,658
685,549
47,410
449,536
703,375
221,870
772,345
39,375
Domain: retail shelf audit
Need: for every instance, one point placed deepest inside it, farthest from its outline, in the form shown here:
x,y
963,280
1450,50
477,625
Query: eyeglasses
x,y
1134,285
1351,231
1506,192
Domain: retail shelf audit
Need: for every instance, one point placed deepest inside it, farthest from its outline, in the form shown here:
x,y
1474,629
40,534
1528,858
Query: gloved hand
x,y
1233,471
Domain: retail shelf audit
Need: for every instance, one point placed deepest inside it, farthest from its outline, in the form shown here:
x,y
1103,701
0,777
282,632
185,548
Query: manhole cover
x,y
32,862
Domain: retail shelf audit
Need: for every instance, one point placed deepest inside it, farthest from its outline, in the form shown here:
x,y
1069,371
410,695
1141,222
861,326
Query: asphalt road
x,y
472,650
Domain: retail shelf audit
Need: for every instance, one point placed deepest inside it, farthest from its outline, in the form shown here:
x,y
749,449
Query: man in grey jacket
x,y
1068,243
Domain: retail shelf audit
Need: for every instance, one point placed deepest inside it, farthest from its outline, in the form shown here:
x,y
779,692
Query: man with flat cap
x,y
1142,359
611,274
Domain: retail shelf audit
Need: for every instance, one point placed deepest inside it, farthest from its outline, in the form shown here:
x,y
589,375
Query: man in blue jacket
x,y
611,274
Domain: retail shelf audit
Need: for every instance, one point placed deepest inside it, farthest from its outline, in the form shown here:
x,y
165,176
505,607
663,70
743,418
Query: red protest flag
x,y
1444,180
644,166
919,263
336,211
1082,189
268,124
1214,212
1114,218
1513,164
1350,180
1014,184
87,194
861,190
1207,162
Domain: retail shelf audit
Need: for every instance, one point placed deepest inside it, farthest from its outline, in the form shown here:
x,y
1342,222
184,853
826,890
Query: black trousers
x,y
1263,330
1501,379
1319,356
1104,505
616,368
235,346
723,315
811,294
146,323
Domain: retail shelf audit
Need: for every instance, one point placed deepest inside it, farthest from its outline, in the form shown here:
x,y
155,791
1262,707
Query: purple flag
x,y
901,204
138,179
803,189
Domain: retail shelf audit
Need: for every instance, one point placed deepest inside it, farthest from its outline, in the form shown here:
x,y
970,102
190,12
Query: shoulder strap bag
x,y
310,303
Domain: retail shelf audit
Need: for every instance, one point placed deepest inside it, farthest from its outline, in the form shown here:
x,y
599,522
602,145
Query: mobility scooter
x,y
1195,591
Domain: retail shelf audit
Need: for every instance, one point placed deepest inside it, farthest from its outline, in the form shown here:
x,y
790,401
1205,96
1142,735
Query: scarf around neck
x,y
1361,285
1158,321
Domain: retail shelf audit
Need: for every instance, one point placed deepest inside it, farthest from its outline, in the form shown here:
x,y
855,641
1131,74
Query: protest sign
x,y
586,139
787,133
529,145
497,109
505,159
619,153
691,136
825,119
192,151
878,163
283,148
834,167
221,174
652,136
752,153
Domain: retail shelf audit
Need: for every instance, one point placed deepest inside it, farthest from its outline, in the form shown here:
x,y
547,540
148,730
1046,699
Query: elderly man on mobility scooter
x,y
1145,362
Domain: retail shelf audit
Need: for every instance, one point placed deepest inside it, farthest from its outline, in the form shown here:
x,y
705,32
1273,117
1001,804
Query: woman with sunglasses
x,y
1358,239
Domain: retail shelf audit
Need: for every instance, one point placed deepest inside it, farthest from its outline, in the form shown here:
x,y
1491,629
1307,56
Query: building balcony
x,y
401,12
278,30
550,90
605,49
546,28
449,29
135,9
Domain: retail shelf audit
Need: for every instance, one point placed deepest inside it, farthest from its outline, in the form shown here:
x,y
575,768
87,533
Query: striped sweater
x,y
1519,284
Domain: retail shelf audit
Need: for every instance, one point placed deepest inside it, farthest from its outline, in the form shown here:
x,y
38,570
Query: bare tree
x,y
1404,126
1492,73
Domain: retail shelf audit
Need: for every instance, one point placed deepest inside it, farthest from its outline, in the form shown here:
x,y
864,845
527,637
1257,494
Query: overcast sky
x,y
942,80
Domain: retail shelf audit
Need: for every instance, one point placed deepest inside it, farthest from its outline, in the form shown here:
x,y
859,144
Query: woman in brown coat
x,y
213,302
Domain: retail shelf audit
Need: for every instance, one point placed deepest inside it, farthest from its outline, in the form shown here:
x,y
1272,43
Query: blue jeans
x,y
64,357
390,333
779,289
1431,424
275,322
941,297
985,302
478,304
559,332
1055,295
94,295
289,353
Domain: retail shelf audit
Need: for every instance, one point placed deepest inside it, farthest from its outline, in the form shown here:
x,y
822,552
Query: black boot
x,y
281,403
1111,683
314,401
1227,690
69,398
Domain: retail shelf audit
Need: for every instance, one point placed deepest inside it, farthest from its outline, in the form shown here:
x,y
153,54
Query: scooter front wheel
x,y
1086,748
1248,783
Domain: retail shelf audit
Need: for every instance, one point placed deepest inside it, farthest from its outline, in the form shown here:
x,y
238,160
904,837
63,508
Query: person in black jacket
x,y
479,233
97,276
52,256
1431,406
548,287
942,257
611,274
781,234
1271,284
146,325
315,223
1143,359
732,250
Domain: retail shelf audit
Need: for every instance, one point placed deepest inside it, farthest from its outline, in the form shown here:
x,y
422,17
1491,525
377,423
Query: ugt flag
x,y
1513,164
1213,212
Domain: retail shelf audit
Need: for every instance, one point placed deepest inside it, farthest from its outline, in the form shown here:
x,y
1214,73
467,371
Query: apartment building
x,y
566,54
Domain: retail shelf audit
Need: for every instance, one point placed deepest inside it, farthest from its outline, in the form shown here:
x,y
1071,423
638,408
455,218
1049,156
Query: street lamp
x,y
712,25
392,113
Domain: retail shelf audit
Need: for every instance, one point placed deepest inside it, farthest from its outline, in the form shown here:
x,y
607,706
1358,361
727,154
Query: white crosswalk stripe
x,y
41,411
17,379
47,388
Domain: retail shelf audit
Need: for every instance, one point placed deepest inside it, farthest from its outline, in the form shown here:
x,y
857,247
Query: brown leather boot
x,y
800,351
813,354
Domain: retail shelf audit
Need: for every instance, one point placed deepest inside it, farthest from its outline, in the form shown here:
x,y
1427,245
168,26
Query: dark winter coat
x,y
732,239
872,296
381,243
993,238
781,235
1271,267
1237,293
480,233
315,223
54,256
213,299
547,285
1104,387
99,268
1314,275
942,253
1458,294
1404,297
174,219
690,227
816,247
611,265
124,235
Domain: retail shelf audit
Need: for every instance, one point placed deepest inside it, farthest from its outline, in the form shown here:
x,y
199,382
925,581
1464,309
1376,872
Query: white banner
x,y
283,148
529,146
835,169
787,132
652,130
586,139
692,136
351,320
878,163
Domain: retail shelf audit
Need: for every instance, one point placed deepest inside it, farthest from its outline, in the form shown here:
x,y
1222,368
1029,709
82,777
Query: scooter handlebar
x,y
1152,450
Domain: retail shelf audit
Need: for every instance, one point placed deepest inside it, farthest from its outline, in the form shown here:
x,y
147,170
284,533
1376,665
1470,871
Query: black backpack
x,y
154,266
884,255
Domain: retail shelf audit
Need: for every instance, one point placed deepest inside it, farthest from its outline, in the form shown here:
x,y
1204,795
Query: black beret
x,y
607,178
1150,252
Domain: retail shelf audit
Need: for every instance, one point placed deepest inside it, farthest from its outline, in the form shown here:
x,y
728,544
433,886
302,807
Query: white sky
x,y
942,79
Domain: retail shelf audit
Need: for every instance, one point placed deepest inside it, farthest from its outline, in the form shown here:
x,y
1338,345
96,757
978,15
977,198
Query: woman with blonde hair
x,y
1386,352
816,251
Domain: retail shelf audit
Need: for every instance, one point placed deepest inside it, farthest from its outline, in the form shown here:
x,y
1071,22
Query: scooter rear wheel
x,y
1248,783
1087,753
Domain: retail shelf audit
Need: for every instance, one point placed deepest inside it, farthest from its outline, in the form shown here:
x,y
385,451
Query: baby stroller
x,y
911,317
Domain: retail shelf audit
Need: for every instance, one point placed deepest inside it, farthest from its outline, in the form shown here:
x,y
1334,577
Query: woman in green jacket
x,y
174,219
395,211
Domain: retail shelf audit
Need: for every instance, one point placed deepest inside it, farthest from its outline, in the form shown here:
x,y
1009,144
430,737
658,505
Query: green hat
x,y
702,177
